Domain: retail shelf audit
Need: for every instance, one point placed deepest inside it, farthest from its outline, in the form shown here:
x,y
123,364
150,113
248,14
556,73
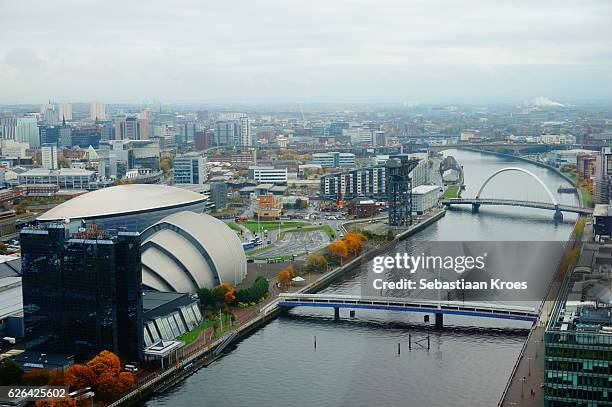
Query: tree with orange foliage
x,y
79,376
104,362
224,293
56,377
284,277
353,242
110,386
338,249
67,402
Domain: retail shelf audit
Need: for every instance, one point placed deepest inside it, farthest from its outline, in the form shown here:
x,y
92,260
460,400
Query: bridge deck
x,y
512,202
475,309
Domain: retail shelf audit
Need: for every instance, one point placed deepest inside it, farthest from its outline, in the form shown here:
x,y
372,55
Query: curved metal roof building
x,y
133,207
186,251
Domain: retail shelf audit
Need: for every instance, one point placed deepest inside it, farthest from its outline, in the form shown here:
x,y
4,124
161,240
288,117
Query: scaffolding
x,y
399,189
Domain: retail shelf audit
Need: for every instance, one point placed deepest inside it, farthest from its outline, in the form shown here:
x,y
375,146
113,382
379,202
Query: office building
x,y
67,178
65,136
334,159
97,111
189,169
268,175
49,156
226,133
188,131
578,337
131,128
82,292
83,137
27,131
424,197
218,195
119,156
203,140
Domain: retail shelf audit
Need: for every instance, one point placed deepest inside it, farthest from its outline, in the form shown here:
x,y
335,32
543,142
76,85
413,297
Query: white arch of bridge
x,y
524,171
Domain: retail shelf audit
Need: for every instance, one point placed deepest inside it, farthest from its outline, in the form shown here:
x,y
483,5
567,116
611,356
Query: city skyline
x,y
346,52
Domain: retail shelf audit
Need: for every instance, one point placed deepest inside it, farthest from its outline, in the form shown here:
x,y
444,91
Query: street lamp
x,y
523,379
529,361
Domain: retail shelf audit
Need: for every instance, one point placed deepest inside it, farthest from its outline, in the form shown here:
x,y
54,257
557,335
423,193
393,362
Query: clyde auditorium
x,y
182,248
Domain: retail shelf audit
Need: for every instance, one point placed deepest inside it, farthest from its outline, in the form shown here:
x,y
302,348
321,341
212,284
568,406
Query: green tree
x,y
207,299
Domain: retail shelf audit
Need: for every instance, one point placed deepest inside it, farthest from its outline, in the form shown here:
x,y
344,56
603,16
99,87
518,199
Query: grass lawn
x,y
268,225
587,197
233,226
325,228
192,335
451,192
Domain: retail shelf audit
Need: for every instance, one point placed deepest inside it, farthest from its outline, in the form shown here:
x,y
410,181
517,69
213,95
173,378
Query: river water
x,y
356,362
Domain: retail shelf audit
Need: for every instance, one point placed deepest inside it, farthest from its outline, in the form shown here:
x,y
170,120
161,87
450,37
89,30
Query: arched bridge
x,y
553,205
438,308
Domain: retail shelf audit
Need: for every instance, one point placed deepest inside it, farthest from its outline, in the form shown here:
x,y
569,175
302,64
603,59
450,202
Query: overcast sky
x,y
299,51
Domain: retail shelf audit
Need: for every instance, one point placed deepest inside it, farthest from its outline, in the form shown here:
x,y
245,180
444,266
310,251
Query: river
x,y
355,362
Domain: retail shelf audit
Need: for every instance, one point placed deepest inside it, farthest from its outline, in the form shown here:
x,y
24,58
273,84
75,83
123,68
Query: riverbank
x,y
189,364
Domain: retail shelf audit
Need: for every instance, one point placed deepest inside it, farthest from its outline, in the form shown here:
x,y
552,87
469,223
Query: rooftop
x,y
424,189
121,199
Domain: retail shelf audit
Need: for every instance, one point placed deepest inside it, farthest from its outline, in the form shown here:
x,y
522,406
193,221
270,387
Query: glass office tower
x,y
82,292
578,338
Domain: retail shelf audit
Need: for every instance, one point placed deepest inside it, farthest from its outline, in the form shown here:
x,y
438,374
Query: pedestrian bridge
x,y
553,205
511,202
438,308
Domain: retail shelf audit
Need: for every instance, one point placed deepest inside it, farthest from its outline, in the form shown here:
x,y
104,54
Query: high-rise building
x,y
188,131
49,156
226,133
189,169
203,139
8,125
131,131
119,156
218,194
131,128
97,111
82,292
578,336
27,131
244,139
64,111
603,176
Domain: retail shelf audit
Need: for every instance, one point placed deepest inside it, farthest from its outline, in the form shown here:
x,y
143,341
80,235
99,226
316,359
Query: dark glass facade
x,y
82,293
578,338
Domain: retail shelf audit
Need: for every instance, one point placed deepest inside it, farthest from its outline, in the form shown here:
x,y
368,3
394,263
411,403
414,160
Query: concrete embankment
x,y
203,357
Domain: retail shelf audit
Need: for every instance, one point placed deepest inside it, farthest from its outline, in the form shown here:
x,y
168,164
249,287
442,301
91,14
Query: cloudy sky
x,y
300,51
